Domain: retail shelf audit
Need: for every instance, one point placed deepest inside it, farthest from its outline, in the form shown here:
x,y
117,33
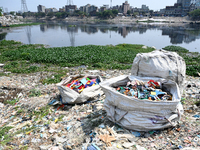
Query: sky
x,y
15,5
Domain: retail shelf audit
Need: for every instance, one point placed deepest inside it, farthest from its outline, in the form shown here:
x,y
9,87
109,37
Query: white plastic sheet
x,y
160,63
137,114
70,96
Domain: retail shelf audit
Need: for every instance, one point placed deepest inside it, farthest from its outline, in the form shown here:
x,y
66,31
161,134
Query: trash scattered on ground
x,y
37,125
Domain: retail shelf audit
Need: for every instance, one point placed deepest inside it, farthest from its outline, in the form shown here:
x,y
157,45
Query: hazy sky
x,y
15,5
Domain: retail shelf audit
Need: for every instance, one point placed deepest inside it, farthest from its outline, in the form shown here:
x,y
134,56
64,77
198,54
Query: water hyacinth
x,y
94,56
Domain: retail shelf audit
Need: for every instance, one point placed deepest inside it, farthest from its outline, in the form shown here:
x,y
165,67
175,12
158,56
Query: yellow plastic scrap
x,y
56,120
81,90
28,132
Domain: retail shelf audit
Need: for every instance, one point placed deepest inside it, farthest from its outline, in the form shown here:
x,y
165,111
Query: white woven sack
x,y
141,115
160,63
70,96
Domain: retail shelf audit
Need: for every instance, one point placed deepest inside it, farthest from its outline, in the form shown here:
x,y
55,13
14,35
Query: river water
x,y
77,34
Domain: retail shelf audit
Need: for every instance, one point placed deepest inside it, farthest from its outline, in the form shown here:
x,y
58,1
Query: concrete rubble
x,y
10,20
36,125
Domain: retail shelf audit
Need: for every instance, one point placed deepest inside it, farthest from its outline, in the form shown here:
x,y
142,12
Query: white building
x,y
41,8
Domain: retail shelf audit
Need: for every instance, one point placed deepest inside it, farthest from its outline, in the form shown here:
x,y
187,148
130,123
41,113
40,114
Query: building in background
x,y
195,4
70,8
62,9
85,8
125,7
41,8
47,10
107,6
90,9
185,7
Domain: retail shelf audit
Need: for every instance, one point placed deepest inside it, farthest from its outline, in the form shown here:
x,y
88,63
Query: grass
x,y
24,24
34,93
11,102
3,134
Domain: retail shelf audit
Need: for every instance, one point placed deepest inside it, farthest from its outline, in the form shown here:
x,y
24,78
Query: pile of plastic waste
x,y
150,90
80,84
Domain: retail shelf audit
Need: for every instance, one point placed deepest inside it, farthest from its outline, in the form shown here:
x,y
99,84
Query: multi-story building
x,y
85,8
41,8
107,6
185,6
181,8
62,9
93,10
47,10
102,9
70,8
90,9
145,8
195,4
125,7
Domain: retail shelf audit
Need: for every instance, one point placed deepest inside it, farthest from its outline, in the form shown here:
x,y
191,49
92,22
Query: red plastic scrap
x,y
153,84
61,106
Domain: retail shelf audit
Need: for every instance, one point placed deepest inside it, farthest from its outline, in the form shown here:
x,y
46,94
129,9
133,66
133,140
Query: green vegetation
x,y
50,14
176,49
195,15
5,138
192,59
61,14
19,58
108,14
34,93
40,14
102,57
12,13
20,111
4,130
71,25
11,102
1,11
41,112
25,24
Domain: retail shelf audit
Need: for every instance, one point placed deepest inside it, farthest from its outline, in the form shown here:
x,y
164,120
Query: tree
x,y
99,14
12,13
25,14
135,14
58,14
115,12
65,14
40,14
50,14
1,11
195,15
128,12
143,13
107,14
18,14
151,12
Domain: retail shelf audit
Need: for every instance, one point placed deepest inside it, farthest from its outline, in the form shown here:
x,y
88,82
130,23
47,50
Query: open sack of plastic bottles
x,y
79,88
142,103
148,99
